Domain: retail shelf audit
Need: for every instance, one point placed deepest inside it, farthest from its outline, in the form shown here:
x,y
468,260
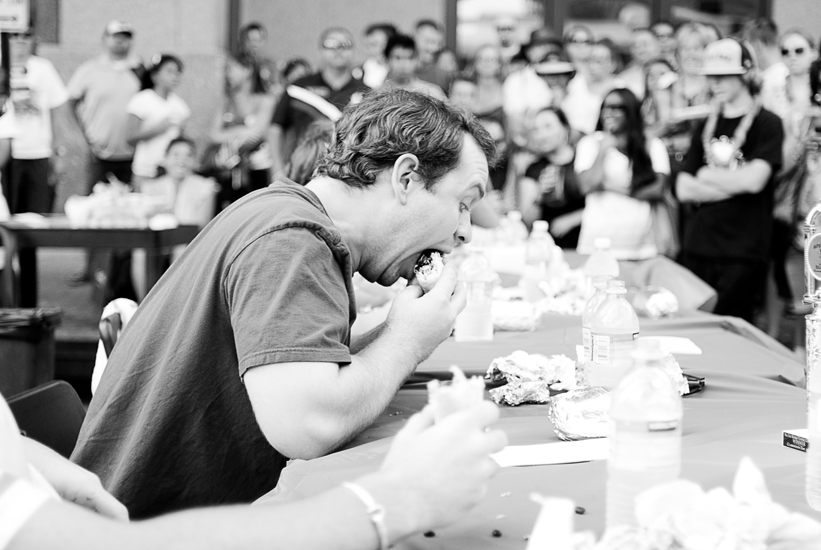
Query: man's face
x,y
20,47
644,46
437,219
601,61
117,44
507,34
464,94
726,88
666,36
337,50
375,44
428,42
179,161
402,64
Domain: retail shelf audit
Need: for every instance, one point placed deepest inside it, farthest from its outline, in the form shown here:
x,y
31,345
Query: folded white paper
x,y
676,344
561,452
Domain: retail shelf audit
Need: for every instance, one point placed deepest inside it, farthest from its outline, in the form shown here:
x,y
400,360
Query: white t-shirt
x,y
39,91
628,222
524,91
150,108
581,106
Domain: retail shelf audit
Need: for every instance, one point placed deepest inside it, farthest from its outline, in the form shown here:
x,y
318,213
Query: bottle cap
x,y
540,226
601,243
615,283
514,215
601,281
616,290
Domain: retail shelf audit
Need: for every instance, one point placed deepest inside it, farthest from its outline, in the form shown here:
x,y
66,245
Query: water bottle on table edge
x,y
645,434
475,322
538,254
601,262
599,295
613,330
516,227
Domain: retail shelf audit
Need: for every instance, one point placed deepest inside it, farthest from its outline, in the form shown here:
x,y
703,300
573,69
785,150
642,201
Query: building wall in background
x,y
804,14
191,29
294,27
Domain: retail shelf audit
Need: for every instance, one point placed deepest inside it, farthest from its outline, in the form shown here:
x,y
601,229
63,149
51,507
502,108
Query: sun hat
x,y
549,68
727,57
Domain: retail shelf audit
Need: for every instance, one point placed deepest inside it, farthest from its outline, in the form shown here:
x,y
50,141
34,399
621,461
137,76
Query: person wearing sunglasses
x,y
334,83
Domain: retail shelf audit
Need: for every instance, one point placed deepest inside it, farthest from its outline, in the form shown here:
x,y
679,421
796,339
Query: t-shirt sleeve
x,y
288,302
586,151
8,122
659,157
56,90
78,83
769,137
137,106
694,159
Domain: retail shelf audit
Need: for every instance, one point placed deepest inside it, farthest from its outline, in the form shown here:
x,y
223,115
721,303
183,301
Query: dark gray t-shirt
x,y
171,425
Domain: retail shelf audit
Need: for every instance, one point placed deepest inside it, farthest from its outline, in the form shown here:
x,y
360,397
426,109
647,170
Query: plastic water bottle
x,y
813,488
645,434
475,322
599,285
516,227
613,330
537,261
601,262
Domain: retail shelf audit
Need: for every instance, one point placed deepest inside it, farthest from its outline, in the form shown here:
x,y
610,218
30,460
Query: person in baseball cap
x,y
116,26
727,57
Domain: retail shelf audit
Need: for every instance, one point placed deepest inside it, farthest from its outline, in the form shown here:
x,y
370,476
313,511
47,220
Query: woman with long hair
x,y
157,115
622,173
240,157
550,190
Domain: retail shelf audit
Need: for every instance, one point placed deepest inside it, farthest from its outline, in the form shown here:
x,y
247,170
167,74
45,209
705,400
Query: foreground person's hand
x,y
73,483
426,321
434,474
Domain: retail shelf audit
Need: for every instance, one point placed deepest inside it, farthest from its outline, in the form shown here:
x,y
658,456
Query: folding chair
x,y
51,414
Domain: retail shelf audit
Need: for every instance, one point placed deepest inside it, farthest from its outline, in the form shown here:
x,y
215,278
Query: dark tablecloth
x,y
743,409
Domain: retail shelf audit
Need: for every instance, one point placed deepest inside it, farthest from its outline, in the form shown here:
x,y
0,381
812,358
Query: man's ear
x,y
404,177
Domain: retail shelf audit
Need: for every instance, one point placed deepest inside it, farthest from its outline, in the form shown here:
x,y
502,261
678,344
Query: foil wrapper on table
x,y
655,302
580,414
516,316
530,377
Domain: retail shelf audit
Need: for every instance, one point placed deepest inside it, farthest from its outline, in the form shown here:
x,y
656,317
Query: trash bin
x,y
26,348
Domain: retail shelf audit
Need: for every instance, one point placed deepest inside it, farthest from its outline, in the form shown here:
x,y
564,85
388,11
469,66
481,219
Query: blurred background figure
x,y
665,33
488,67
644,47
762,35
524,91
295,69
300,167
402,63
603,65
659,77
578,43
157,115
37,94
375,67
622,173
253,42
239,156
464,92
507,31
570,94
549,190
430,39
329,89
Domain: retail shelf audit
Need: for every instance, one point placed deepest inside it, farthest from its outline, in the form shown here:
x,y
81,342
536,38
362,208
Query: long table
x,y
741,412
56,231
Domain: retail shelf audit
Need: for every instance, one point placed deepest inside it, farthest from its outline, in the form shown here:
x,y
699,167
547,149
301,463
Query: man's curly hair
x,y
372,134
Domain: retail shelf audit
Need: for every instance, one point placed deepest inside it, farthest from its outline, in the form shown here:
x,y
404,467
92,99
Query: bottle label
x,y
587,342
606,348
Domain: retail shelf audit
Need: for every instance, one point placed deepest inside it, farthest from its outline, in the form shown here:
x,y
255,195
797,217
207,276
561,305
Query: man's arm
x,y
748,179
691,189
308,409
432,475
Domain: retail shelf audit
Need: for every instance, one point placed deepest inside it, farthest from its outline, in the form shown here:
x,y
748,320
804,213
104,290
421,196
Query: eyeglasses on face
x,y
336,45
797,51
613,107
663,35
575,40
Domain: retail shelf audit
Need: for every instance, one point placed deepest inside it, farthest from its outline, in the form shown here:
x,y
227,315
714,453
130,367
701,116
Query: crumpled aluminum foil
x,y
655,302
515,316
530,377
580,414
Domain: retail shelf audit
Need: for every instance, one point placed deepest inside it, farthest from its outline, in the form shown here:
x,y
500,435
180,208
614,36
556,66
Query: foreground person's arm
x,y
308,409
431,477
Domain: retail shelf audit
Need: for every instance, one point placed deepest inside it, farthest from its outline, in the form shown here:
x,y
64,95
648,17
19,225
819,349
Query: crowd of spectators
x,y
593,135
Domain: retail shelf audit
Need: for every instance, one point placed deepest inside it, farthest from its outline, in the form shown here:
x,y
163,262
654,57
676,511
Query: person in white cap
x,y
99,92
728,176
